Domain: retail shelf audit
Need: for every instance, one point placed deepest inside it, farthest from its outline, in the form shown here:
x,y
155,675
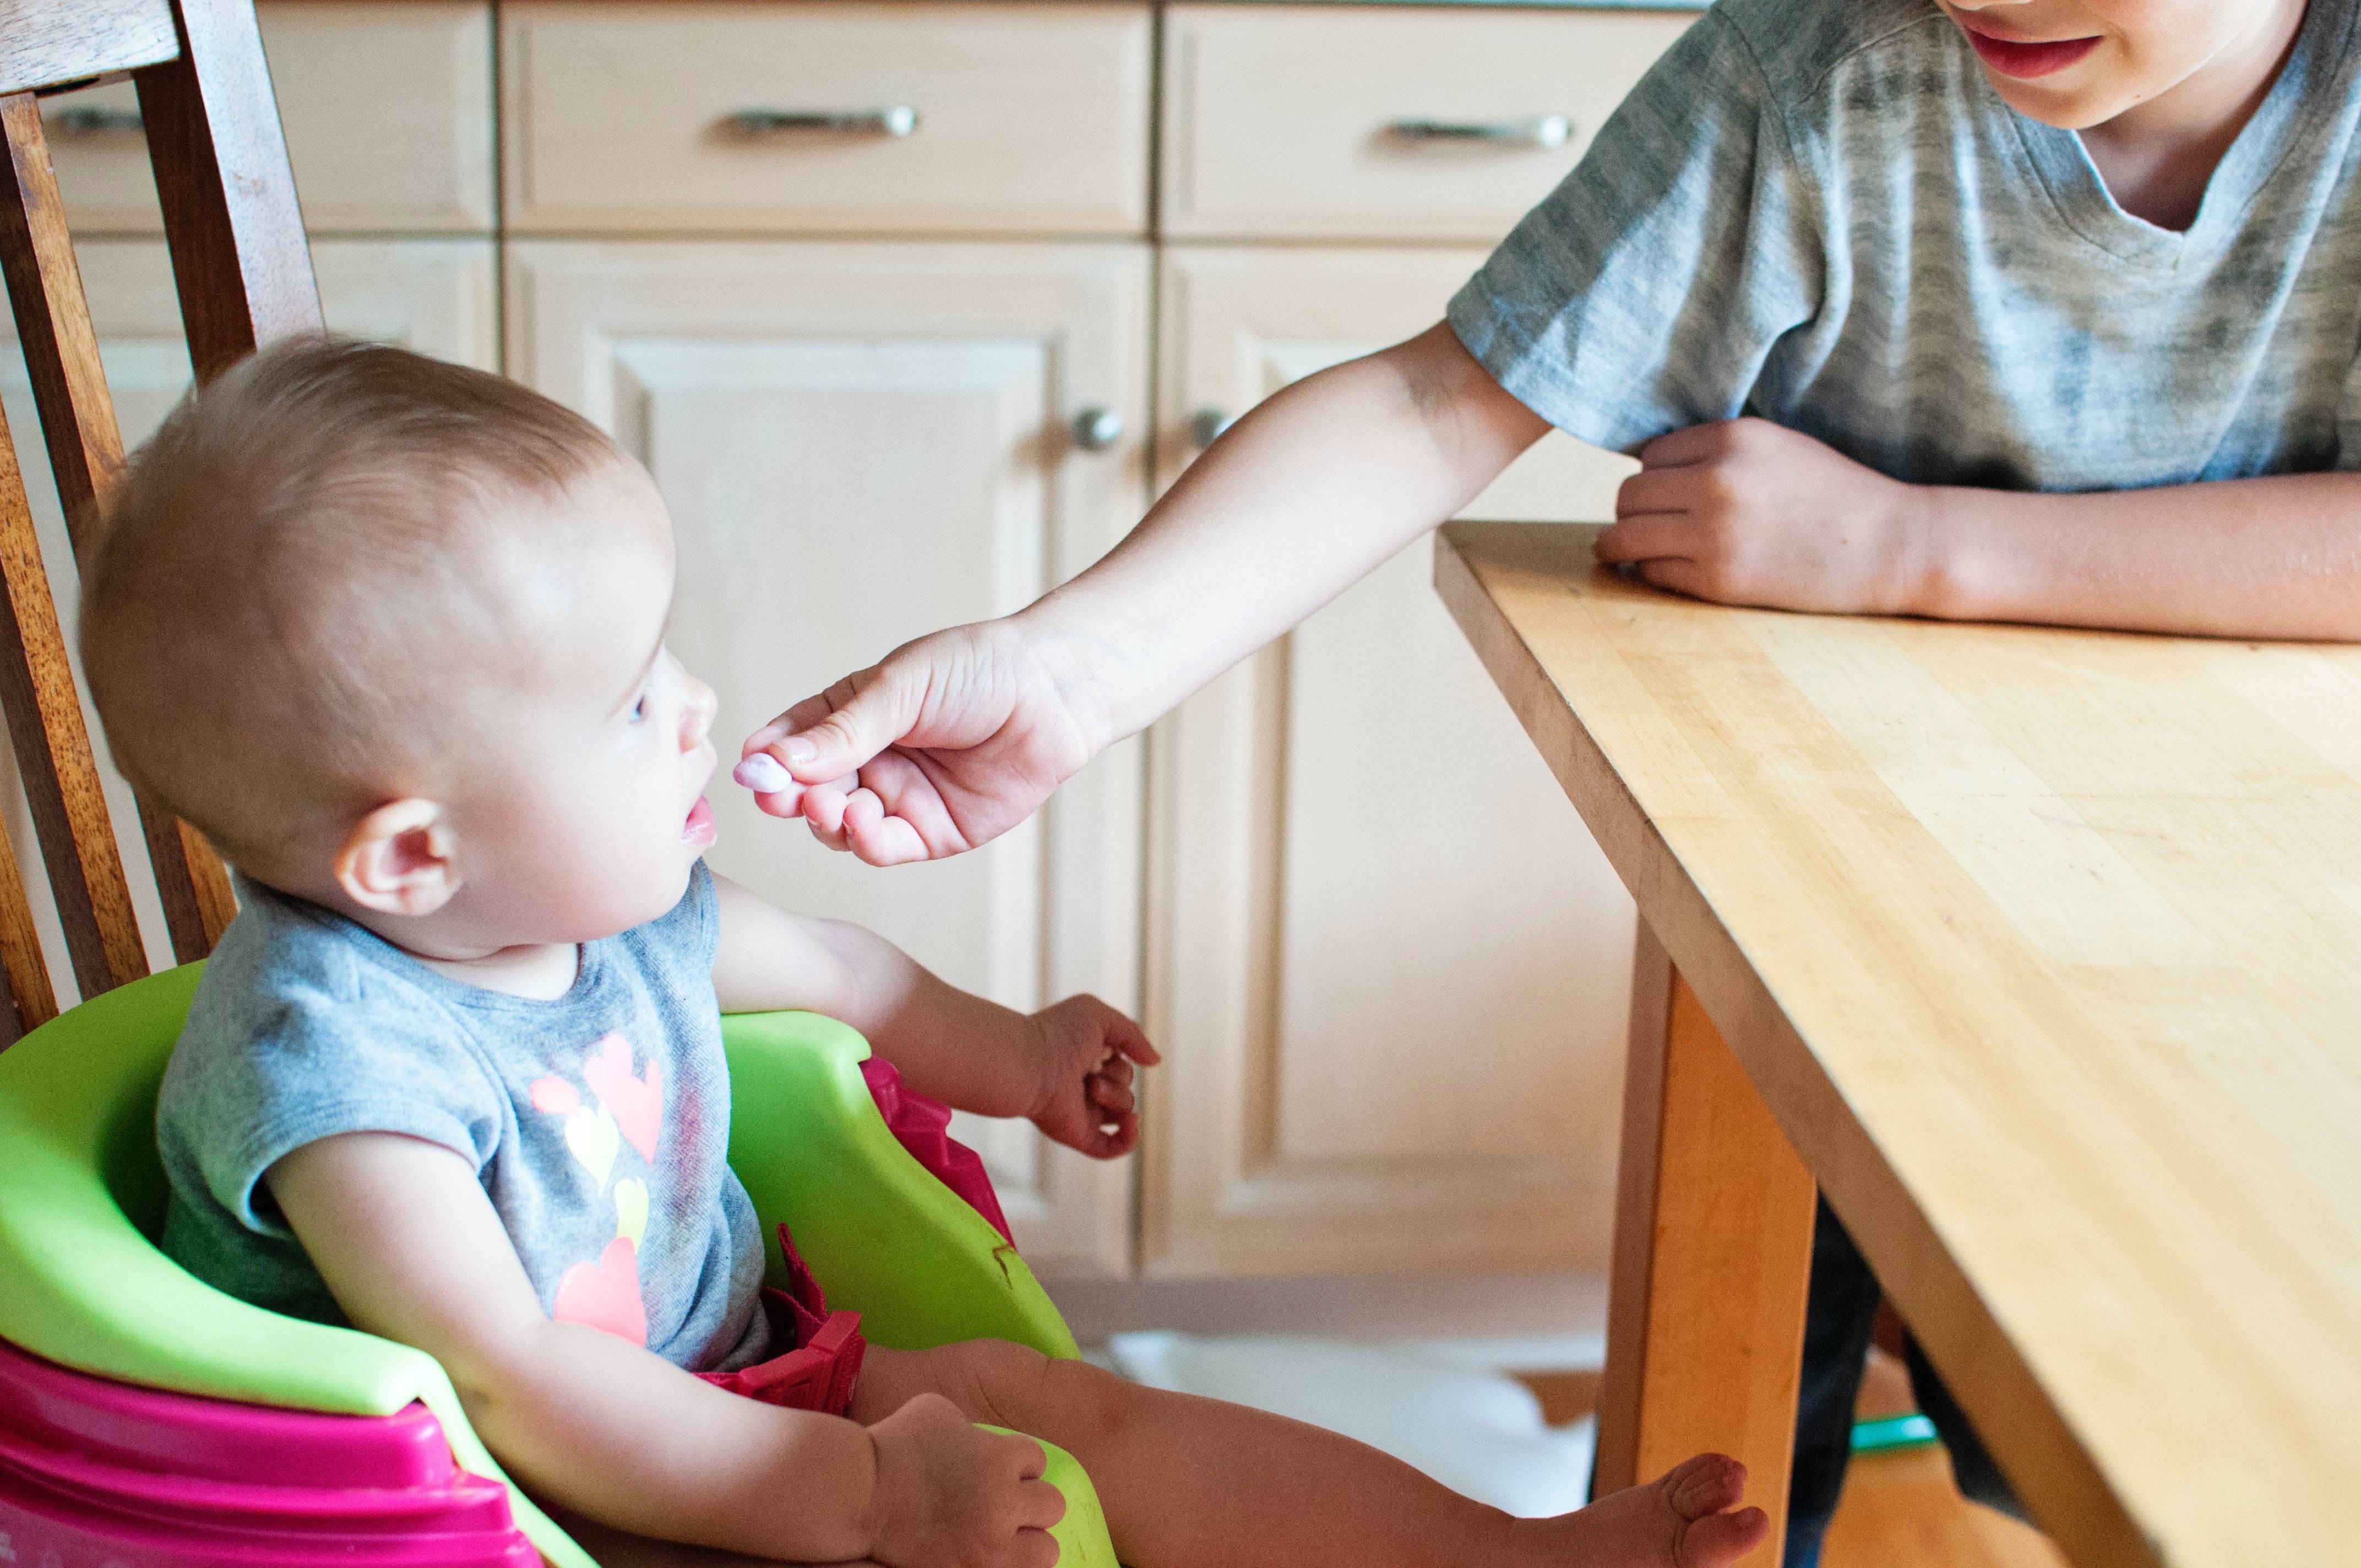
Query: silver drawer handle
x,y
1540,130
82,123
899,120
1206,426
1096,428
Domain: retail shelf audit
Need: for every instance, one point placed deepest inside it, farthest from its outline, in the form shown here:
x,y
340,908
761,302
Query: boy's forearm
x,y
574,1411
2275,558
1307,494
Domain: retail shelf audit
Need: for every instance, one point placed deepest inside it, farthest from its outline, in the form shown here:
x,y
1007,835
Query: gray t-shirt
x,y
598,1122
1819,212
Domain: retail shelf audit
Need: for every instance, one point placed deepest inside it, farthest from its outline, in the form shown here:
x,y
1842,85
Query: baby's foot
x,y
1690,1518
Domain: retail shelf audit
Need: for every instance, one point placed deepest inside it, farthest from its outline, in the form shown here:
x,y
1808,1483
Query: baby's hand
x,y
1087,1049
950,1495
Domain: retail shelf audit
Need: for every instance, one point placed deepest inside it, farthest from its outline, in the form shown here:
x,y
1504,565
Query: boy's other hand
x,y
947,743
950,1495
1087,1052
1745,512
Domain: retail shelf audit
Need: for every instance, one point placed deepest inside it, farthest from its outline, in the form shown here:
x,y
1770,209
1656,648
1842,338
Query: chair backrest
x,y
244,275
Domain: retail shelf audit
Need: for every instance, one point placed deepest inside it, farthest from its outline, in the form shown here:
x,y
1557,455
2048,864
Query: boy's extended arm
x,y
1746,512
1067,1067
409,1244
1310,490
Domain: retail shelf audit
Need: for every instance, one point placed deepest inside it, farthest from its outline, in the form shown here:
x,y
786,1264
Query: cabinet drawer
x,y
1000,118
388,110
1317,121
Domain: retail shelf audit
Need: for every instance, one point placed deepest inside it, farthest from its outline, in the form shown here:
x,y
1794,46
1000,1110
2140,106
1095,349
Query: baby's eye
x,y
640,709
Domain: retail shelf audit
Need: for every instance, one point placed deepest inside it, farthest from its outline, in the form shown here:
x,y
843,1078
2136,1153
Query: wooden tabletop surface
x,y
2045,949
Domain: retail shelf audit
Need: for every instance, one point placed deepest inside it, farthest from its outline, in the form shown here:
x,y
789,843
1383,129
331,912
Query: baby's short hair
x,y
279,557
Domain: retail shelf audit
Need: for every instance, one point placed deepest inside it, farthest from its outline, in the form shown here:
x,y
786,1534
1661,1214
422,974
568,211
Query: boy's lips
x,y
699,828
2021,57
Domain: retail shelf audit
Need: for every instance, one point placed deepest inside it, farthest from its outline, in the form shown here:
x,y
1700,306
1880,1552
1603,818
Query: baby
x,y
392,634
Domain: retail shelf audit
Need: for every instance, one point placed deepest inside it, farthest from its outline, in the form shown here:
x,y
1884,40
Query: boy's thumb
x,y
818,747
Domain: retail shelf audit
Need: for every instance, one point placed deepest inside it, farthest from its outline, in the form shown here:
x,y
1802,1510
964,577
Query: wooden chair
x,y
243,274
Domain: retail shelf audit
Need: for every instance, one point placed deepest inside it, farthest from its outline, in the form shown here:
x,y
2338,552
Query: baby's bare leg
x,y
1189,1482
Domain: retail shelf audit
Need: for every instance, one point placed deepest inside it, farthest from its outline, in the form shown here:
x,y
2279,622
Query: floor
x,y
1900,1509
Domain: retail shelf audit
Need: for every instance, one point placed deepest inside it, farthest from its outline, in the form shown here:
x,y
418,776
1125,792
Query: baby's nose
x,y
698,713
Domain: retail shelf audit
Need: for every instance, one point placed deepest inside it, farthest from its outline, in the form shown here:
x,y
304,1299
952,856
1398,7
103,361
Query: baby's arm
x,y
1067,1067
411,1246
1747,513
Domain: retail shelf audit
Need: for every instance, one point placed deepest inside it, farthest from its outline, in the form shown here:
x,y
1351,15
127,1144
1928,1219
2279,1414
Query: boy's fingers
x,y
1648,538
864,716
1679,448
1656,490
911,794
1677,575
877,838
811,710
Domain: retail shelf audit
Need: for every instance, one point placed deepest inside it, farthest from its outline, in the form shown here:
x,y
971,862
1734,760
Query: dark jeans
x,y
1836,1349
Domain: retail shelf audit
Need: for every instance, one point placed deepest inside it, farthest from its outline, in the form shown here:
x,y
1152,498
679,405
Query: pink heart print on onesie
x,y
604,1293
637,1103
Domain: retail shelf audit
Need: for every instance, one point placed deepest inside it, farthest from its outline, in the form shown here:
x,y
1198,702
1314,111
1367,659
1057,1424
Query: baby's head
x,y
389,632
2078,63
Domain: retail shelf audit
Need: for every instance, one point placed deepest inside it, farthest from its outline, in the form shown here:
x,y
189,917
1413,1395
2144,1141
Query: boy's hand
x,y
1746,511
1087,1049
950,1495
946,744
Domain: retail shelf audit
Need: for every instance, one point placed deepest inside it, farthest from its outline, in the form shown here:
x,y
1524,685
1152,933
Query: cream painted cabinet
x,y
860,443
434,295
1389,968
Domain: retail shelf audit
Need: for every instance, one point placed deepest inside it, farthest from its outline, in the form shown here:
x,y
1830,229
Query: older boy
x,y
2027,310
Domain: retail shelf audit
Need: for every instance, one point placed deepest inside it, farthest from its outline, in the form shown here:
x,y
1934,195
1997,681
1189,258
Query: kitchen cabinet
x,y
1389,971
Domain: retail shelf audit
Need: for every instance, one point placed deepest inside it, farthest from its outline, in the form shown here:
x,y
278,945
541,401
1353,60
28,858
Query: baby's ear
x,y
397,860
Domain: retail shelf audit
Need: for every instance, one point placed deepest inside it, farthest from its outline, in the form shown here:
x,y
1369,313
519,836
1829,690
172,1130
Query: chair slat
x,y
53,323
33,1002
44,712
86,449
231,219
43,43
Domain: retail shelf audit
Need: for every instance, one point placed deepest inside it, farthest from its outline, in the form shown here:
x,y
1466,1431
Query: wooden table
x,y
2042,949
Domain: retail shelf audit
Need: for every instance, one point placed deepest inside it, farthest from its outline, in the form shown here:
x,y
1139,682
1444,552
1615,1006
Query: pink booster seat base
x,y
96,1473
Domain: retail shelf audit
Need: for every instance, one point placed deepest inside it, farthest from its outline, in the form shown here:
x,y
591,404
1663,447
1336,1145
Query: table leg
x,y
1713,1246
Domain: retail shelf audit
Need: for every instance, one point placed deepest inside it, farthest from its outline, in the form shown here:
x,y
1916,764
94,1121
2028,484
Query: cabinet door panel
x,y
1389,965
388,112
434,295
859,444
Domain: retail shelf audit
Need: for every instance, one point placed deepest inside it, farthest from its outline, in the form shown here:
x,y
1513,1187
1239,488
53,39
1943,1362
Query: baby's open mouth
x,y
699,828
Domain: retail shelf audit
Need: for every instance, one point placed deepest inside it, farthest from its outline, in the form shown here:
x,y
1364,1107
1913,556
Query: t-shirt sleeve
x,y
309,1058
1644,295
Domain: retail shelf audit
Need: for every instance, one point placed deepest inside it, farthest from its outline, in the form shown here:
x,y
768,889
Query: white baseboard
x,y
1563,1316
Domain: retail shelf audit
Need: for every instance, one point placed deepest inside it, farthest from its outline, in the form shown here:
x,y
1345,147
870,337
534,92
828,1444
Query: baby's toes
x,y
1720,1539
1704,1486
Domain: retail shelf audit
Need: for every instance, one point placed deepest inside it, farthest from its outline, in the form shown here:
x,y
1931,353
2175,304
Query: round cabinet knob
x,y
1097,429
1206,426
